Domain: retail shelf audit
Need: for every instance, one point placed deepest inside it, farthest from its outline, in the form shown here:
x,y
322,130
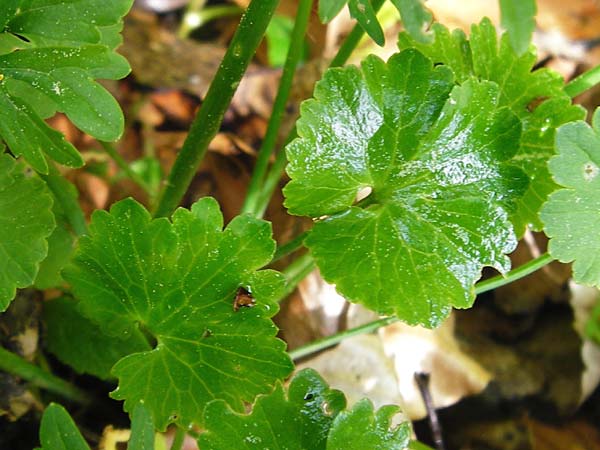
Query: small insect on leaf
x,y
243,298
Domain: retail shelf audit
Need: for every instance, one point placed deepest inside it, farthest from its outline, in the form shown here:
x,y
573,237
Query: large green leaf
x,y
59,432
177,282
96,352
310,417
58,49
433,156
415,18
26,221
571,215
521,89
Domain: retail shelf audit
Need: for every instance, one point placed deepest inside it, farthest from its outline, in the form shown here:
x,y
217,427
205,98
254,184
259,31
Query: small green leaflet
x,y
571,214
415,17
434,156
536,97
26,222
310,417
50,54
96,352
59,432
177,281
518,17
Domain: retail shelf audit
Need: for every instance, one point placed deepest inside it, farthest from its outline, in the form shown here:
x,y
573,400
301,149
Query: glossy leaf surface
x,y
62,48
177,282
535,96
59,432
433,157
26,221
571,214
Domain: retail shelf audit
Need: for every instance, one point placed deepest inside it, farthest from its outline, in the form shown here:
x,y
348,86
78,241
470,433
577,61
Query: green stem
x,y
13,364
352,40
480,288
296,272
208,120
285,86
195,18
334,339
179,439
583,82
289,247
125,167
516,274
274,174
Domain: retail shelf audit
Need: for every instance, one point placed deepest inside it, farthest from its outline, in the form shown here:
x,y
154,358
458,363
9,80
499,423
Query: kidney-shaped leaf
x,y
433,157
26,221
571,214
178,283
50,54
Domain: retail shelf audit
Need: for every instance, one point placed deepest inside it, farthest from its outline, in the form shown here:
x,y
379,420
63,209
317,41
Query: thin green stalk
x,y
125,167
289,247
484,286
13,364
276,170
516,274
196,18
208,120
352,40
179,439
285,86
583,82
296,272
334,339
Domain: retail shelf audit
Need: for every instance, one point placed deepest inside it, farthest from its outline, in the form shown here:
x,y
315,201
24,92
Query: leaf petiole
x,y
484,286
583,82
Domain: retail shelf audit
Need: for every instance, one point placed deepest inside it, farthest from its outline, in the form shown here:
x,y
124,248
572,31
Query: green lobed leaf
x,y
310,417
415,18
301,420
521,89
142,429
363,12
62,47
177,282
328,9
518,17
59,432
96,352
362,427
25,224
571,214
434,158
